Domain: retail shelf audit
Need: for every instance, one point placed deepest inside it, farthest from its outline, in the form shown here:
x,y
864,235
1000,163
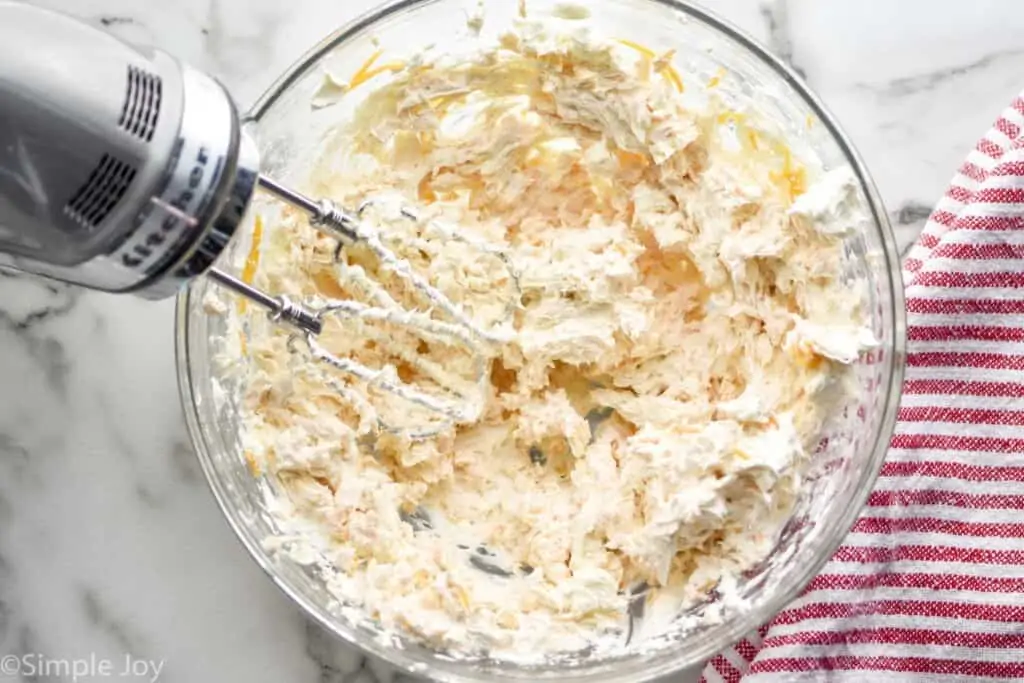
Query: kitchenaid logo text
x,y
195,178
33,666
177,211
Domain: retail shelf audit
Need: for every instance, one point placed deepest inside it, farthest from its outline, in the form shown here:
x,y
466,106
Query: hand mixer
x,y
123,170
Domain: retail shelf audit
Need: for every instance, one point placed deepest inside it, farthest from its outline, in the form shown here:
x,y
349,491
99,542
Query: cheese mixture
x,y
673,319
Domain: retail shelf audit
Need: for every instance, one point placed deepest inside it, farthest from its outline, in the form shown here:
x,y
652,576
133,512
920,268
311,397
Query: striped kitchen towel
x,y
929,584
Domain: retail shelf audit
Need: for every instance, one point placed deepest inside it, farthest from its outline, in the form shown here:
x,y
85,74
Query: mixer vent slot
x,y
141,107
101,192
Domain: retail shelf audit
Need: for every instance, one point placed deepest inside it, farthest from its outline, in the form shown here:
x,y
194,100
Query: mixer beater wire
x,y
459,328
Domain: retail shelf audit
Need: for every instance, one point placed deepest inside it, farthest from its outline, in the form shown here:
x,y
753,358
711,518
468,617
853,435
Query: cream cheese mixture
x,y
681,311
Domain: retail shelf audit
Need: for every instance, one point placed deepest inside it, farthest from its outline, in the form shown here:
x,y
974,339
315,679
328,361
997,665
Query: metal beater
x,y
127,171
349,228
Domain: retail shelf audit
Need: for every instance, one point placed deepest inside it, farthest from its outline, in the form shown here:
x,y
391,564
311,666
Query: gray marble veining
x,y
109,540
779,32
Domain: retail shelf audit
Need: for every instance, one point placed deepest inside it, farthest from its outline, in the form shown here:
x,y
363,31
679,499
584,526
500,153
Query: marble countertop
x,y
111,542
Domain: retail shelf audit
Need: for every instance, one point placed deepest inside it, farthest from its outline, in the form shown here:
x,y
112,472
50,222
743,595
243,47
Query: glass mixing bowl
x,y
843,469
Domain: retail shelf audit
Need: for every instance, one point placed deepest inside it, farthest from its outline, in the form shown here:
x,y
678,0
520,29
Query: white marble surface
x,y
110,542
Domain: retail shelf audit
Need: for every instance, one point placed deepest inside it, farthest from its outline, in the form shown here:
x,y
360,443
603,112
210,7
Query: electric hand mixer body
x,y
123,170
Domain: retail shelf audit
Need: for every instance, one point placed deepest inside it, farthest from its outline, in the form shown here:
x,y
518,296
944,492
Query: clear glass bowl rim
x,y
839,527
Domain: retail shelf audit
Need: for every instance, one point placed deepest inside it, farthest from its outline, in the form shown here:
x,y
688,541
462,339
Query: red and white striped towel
x,y
929,584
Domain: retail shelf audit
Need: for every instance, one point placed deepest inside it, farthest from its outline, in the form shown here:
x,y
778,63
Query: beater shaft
x,y
281,308
323,214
